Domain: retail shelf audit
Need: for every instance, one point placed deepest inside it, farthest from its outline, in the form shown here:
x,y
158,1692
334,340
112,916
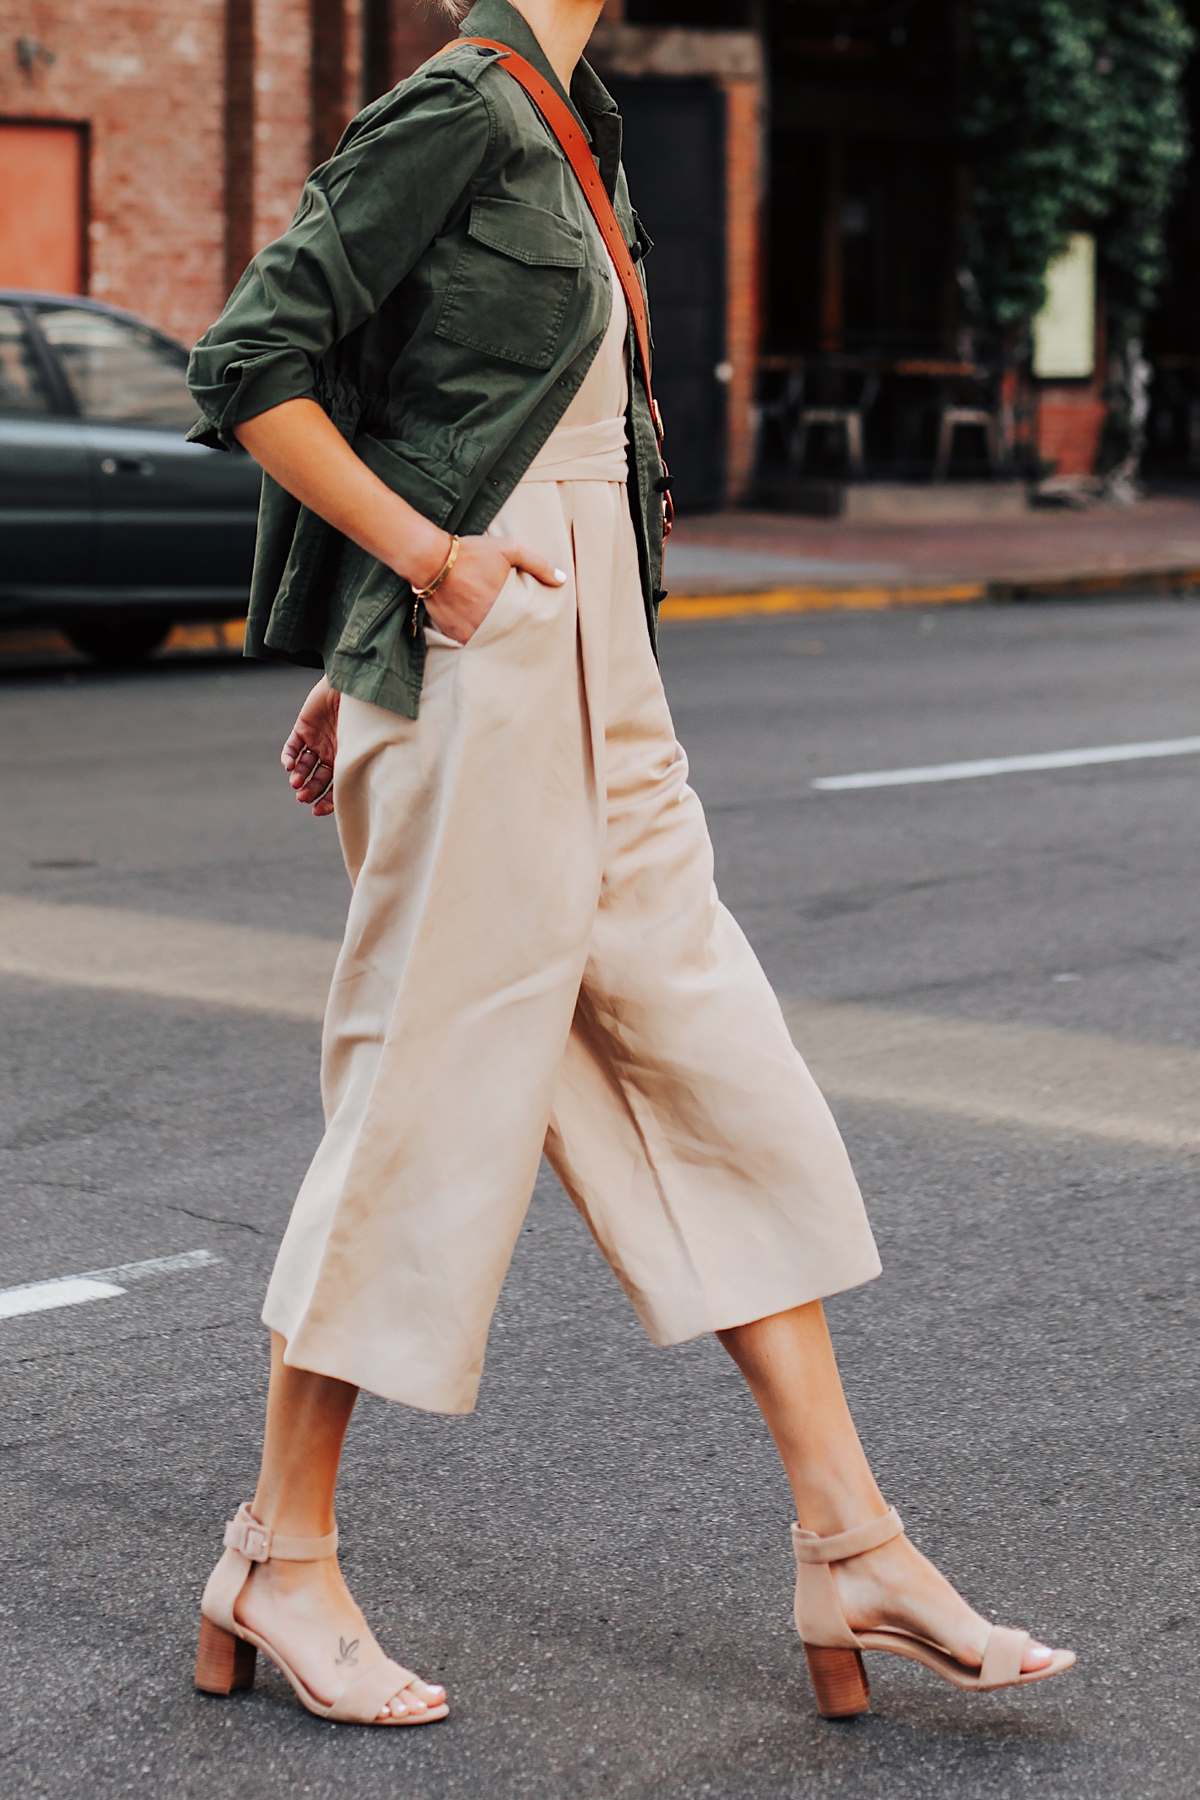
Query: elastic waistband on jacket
x,y
582,453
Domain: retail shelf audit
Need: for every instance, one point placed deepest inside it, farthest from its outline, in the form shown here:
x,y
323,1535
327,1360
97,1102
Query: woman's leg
x,y
305,1608
307,1416
791,1370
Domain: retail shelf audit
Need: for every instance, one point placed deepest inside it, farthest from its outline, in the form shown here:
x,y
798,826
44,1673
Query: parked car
x,y
112,526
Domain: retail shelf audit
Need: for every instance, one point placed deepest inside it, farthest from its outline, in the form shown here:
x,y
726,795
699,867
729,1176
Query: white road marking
x,y
1011,765
96,1284
42,1296
156,1265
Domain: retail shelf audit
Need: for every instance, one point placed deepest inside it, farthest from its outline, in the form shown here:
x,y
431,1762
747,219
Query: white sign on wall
x,y
1064,332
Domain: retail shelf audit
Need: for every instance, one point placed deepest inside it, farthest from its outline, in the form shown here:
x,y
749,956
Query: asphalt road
x,y
597,1562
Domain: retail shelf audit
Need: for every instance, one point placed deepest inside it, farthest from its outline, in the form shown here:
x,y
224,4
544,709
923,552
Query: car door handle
x,y
126,465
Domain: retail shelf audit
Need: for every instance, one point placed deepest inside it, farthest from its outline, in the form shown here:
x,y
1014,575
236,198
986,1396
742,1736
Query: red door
x,y
41,207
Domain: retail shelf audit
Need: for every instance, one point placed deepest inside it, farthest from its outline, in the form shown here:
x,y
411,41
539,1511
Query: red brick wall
x,y
743,328
167,231
335,75
189,174
1070,420
419,27
148,79
282,105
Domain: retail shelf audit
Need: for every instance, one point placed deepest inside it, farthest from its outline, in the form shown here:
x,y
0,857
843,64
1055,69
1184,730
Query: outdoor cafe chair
x,y
832,407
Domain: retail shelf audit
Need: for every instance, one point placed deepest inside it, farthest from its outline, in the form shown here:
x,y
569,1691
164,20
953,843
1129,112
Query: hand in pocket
x,y
471,589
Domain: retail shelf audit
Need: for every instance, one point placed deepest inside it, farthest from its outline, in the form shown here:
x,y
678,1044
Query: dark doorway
x,y
674,154
861,244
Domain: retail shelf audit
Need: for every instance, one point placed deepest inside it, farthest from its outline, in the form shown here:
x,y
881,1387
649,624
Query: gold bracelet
x,y
435,584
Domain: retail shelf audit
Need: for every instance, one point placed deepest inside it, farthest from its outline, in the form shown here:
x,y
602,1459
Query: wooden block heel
x,y
839,1681
225,1659
224,1663
834,1651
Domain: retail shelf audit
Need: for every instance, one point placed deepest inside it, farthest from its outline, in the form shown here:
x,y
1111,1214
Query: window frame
x,y
58,389
68,406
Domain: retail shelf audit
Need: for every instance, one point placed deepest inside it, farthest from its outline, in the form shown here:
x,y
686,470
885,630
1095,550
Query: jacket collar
x,y
496,19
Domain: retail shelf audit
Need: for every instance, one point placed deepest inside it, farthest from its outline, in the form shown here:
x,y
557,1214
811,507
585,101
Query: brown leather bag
x,y
574,145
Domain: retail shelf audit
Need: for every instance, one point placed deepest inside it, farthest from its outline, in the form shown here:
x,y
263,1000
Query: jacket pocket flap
x,y
528,234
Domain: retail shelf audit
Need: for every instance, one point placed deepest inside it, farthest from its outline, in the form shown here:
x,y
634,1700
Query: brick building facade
x,y
147,150
194,122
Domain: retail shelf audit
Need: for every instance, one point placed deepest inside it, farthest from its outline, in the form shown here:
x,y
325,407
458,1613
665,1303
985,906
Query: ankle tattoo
x,y
347,1652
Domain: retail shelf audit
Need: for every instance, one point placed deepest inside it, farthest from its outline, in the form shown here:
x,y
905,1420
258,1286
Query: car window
x,y
117,370
22,389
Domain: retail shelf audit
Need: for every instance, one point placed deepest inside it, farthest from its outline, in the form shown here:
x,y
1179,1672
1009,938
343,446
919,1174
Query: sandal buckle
x,y
250,1538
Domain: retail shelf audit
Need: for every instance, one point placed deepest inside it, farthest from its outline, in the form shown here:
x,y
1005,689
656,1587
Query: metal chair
x,y
957,418
969,402
841,414
776,412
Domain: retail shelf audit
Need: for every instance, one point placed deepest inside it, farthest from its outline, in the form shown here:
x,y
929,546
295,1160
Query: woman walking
x,y
440,367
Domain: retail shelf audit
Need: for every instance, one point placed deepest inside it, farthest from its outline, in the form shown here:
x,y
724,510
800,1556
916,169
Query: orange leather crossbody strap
x,y
574,145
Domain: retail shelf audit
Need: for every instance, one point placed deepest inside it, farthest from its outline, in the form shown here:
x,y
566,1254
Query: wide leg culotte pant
x,y
535,957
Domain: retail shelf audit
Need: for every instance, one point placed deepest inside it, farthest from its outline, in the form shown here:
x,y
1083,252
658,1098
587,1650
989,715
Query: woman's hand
x,y
306,454
310,752
471,589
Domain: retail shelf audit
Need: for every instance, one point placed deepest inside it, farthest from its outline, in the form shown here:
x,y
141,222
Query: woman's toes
x,y
1036,1657
418,1697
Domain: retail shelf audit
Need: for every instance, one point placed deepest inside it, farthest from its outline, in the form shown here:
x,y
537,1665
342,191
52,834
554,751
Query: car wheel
x,y
117,643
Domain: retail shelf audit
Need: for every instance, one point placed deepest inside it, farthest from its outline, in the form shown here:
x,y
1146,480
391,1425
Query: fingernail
x,y
560,575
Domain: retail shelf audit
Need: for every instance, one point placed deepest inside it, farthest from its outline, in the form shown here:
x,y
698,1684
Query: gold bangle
x,y
435,584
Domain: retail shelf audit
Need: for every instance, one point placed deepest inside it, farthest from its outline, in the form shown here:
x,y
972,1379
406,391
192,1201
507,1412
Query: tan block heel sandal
x,y
228,1649
834,1652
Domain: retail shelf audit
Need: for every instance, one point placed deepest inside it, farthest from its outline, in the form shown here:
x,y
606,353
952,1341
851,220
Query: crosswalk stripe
x,y
152,953
1037,1077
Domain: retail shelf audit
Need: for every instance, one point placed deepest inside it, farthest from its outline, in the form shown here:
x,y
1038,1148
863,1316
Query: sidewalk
x,y
721,564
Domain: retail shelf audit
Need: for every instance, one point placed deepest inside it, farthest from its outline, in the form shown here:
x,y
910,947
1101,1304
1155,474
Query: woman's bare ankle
x,y
294,1515
831,1510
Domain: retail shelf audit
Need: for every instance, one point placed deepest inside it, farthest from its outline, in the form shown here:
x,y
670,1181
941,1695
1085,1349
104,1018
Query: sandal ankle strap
x,y
813,1549
258,1543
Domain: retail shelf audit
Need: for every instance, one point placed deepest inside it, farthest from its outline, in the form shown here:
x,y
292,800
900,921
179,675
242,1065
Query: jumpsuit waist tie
x,y
582,453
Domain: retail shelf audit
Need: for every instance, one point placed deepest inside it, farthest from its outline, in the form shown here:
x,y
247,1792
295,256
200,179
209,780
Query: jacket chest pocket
x,y
513,282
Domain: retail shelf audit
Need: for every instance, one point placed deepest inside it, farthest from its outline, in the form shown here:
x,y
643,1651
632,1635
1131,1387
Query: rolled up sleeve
x,y
364,219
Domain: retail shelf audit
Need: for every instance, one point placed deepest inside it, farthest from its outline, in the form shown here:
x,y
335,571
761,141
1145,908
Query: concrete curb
x,y
1051,585
684,608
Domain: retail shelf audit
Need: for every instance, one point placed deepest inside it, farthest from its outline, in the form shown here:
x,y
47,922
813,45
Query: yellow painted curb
x,y
797,600
1174,580
229,635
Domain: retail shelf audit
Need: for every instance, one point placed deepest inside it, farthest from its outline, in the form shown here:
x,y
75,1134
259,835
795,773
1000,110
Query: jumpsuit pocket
x,y
502,605
512,283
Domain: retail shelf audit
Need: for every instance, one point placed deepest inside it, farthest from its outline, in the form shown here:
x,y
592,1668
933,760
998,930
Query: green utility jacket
x,y
441,293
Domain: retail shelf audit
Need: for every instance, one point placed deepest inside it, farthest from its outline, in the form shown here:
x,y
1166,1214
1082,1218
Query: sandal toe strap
x,y
1002,1657
363,1698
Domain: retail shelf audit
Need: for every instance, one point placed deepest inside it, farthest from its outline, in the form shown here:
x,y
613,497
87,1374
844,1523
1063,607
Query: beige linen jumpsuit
x,y
536,958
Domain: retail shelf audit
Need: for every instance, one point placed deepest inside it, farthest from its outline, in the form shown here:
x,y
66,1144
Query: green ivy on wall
x,y
1077,119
